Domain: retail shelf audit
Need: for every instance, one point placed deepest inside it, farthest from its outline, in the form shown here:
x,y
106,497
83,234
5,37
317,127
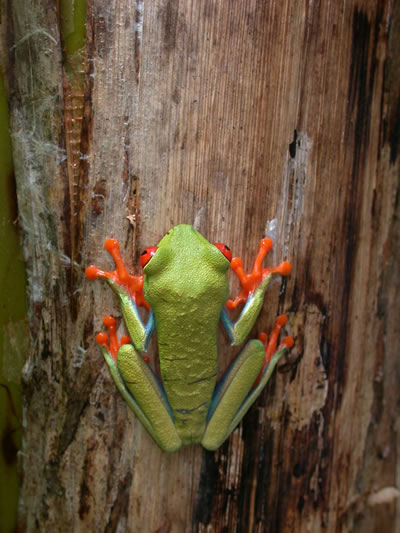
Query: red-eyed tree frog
x,y
185,288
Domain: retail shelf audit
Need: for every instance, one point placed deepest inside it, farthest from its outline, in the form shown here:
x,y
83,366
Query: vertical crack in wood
x,y
77,88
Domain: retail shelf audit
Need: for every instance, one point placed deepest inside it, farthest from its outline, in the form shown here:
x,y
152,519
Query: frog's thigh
x,y
148,398
231,393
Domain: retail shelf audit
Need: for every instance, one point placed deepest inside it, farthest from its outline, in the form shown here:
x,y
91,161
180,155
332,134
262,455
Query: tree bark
x,y
244,119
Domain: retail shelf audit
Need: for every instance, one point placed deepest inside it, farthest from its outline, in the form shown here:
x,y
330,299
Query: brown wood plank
x,y
244,119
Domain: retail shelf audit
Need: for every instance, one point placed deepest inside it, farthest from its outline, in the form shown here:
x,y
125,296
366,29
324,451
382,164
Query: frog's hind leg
x,y
242,384
140,389
230,394
148,395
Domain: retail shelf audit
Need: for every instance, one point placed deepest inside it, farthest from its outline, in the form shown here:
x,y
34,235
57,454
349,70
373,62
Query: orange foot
x,y
270,345
110,341
132,284
250,282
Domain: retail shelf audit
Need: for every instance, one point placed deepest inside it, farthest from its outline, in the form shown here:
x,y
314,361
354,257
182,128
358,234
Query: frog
x,y
185,289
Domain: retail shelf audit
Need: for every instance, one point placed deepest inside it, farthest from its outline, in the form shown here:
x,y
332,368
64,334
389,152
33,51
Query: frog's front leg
x,y
242,384
129,289
139,387
252,294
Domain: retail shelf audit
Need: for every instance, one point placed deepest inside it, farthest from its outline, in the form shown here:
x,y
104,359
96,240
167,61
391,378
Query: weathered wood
x,y
243,118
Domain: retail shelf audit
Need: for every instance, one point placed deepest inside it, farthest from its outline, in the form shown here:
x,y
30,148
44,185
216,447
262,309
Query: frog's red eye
x,y
147,254
224,250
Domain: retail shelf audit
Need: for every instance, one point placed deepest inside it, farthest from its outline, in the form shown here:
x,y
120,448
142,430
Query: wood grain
x,y
244,119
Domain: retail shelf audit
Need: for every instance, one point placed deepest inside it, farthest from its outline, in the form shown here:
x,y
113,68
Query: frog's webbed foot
x,y
131,284
243,383
250,282
129,288
139,387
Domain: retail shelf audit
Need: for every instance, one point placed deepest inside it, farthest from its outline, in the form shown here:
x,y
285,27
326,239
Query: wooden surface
x,y
244,118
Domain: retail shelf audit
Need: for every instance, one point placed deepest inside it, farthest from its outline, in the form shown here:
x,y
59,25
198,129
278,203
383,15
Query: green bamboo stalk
x,y
13,328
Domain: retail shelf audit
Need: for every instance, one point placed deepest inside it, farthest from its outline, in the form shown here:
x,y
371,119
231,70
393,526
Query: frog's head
x,y
184,266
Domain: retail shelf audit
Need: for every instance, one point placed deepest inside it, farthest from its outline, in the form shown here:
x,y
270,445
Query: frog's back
x,y
188,364
187,293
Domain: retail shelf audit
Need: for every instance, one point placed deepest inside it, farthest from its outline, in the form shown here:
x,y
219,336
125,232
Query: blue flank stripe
x,y
149,329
